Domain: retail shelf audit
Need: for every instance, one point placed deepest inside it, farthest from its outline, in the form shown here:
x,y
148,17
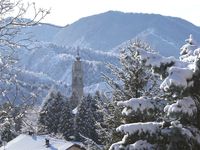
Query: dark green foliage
x,y
97,102
10,121
90,144
51,112
7,133
66,121
55,115
85,122
112,118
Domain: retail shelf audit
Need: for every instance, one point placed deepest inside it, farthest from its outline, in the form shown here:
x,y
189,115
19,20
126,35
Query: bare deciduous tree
x,y
14,101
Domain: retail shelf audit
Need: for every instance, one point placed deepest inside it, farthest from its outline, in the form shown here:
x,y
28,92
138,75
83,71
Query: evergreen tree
x,y
66,121
180,127
186,53
85,123
30,120
132,79
106,129
49,117
90,144
7,132
96,103
10,121
56,116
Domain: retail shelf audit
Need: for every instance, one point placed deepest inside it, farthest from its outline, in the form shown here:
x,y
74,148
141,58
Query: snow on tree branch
x,y
187,51
138,145
184,106
148,127
154,59
180,118
139,104
141,144
178,73
180,77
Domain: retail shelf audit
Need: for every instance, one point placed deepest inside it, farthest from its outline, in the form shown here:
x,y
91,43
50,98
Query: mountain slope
x,y
56,62
50,62
107,30
41,32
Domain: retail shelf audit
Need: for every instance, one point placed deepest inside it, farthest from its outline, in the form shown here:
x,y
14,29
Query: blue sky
x,y
67,11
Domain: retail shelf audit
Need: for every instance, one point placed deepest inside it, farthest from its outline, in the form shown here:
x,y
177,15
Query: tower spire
x,y
77,80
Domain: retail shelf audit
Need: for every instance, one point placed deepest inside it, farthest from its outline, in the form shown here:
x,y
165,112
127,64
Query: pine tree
x,y
106,129
85,120
66,121
180,127
56,116
30,120
132,79
97,101
10,121
49,117
90,144
187,50
7,132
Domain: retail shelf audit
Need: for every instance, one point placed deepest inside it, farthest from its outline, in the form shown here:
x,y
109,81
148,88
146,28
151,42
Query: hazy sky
x,y
64,12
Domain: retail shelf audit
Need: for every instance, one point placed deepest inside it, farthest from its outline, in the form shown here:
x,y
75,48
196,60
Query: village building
x,y
40,142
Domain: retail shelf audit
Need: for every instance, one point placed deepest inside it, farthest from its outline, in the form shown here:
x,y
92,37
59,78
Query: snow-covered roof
x,y
33,142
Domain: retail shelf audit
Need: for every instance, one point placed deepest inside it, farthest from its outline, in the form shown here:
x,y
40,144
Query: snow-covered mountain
x,y
50,66
108,30
56,62
98,38
41,32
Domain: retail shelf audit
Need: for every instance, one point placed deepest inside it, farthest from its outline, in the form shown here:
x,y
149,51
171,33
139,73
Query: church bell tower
x,y
77,80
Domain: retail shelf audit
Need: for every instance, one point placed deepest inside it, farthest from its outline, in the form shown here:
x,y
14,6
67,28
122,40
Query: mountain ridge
x,y
107,30
99,39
